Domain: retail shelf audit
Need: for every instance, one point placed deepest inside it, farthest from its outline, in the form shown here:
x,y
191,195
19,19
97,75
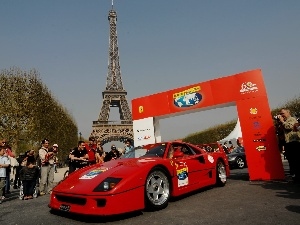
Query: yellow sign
x,y
187,91
141,109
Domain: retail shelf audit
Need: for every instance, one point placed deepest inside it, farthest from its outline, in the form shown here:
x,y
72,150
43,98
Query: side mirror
x,y
178,154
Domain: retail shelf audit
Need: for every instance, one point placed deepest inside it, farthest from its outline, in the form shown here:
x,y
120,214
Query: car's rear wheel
x,y
221,174
240,163
157,190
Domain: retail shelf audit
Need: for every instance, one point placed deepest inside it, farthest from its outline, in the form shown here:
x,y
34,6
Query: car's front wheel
x,y
157,190
240,163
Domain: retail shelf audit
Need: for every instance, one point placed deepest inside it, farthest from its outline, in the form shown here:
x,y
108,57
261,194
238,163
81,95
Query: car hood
x,y
85,180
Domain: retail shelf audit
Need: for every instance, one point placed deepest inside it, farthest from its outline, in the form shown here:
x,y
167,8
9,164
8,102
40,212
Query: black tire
x,y
221,176
240,163
157,190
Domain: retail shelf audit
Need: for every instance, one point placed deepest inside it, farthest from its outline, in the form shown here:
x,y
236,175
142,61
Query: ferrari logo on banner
x,y
141,109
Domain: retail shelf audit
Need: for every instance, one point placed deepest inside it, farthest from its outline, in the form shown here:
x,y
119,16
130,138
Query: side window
x,y
196,151
187,150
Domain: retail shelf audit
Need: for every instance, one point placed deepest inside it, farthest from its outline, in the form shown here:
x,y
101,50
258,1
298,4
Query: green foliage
x,y
212,134
29,113
293,105
219,132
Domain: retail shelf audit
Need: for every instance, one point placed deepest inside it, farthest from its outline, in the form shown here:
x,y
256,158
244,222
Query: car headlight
x,y
108,184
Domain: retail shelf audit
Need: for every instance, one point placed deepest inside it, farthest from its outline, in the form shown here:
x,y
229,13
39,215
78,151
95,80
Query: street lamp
x,y
80,136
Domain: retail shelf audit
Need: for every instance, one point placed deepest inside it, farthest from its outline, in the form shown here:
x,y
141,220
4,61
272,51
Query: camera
x,y
276,117
52,150
297,115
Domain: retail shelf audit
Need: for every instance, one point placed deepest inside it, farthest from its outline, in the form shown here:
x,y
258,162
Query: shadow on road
x,y
240,175
284,189
96,219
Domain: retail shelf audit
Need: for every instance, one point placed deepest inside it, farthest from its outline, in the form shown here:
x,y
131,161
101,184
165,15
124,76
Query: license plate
x,y
65,208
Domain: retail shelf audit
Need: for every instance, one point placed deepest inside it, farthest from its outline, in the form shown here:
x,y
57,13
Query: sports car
x,y
237,158
165,170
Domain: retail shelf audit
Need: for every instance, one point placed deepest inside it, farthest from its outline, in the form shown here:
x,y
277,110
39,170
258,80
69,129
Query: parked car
x,y
237,158
165,170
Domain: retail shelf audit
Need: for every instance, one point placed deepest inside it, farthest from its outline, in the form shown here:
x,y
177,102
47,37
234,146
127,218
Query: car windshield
x,y
153,150
135,153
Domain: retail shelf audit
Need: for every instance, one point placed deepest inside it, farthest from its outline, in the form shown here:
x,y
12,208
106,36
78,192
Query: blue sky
x,y
163,45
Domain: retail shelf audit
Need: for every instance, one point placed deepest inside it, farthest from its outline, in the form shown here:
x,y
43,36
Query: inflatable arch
x,y
246,90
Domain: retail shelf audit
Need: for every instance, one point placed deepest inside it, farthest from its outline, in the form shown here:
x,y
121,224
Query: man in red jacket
x,y
91,149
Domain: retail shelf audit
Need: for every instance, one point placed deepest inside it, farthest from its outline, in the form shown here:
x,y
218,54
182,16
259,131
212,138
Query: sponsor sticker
x,y
258,134
188,97
144,137
141,109
182,175
255,117
259,140
256,125
93,173
261,148
210,159
253,111
248,87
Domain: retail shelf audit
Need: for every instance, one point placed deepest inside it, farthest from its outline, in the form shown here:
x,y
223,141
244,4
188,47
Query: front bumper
x,y
101,205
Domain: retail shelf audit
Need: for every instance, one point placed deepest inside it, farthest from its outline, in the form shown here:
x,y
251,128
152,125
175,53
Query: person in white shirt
x,y
4,163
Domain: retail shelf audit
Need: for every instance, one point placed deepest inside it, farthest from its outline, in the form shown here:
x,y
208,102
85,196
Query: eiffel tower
x,y
114,96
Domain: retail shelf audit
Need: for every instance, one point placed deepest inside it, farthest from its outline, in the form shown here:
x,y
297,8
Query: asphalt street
x,y
239,202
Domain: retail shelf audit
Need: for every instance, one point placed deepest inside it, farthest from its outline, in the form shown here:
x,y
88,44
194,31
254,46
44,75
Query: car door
x,y
191,169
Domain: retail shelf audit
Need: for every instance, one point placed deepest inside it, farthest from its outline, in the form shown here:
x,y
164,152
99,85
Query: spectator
x,y
9,154
55,159
239,145
68,159
280,136
78,157
100,154
4,163
30,155
230,147
46,176
128,146
52,152
171,152
8,148
112,155
17,181
28,176
121,151
225,148
91,150
292,139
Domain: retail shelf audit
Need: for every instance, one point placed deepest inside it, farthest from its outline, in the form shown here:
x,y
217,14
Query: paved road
x,y
239,202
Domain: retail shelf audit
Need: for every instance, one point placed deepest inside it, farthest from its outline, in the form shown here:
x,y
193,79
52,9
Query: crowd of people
x,y
34,172
93,153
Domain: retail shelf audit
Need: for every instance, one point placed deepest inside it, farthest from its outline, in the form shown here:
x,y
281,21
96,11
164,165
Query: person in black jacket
x,y
78,157
29,175
17,180
113,154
